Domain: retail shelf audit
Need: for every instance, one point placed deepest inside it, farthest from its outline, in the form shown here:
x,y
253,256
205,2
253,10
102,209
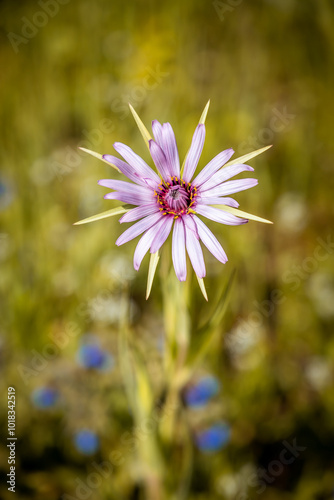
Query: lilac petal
x,y
212,167
131,198
139,212
195,252
165,138
162,235
138,228
126,170
230,187
194,152
126,187
139,165
160,160
144,244
179,251
218,215
189,222
157,132
170,149
224,174
210,241
217,200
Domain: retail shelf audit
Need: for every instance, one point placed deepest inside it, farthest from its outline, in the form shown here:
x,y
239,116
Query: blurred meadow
x,y
255,413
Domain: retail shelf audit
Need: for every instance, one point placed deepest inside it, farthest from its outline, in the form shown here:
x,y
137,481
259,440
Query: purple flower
x,y
199,393
44,397
91,355
86,441
214,438
172,198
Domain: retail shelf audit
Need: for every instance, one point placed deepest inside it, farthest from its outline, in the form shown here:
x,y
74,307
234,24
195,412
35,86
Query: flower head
x,y
44,397
199,393
214,438
86,441
170,199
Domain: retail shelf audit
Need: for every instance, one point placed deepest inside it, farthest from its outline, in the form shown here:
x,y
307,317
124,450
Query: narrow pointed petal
x,y
139,212
217,200
210,241
131,198
160,160
157,132
248,156
195,252
224,174
179,250
194,153
126,187
212,167
219,215
170,149
163,234
138,228
144,244
126,169
136,162
230,187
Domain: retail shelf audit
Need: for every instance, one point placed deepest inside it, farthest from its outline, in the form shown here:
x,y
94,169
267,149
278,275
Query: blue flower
x,y
44,397
90,355
214,438
200,392
86,442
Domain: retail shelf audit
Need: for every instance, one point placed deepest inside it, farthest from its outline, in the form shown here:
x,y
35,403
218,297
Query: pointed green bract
x,y
99,156
103,215
151,272
202,287
205,112
241,213
201,121
247,157
143,130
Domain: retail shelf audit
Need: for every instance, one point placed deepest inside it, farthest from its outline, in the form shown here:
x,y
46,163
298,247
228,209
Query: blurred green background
x,y
69,68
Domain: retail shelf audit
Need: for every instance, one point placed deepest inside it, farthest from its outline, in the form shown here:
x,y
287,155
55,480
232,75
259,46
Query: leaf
x,y
201,121
99,156
143,130
247,157
202,287
240,213
205,112
151,272
103,215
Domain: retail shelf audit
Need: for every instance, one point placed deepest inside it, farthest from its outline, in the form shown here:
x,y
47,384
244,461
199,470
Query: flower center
x,y
176,197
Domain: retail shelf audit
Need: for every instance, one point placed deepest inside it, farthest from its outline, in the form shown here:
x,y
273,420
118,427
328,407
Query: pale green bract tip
x,y
143,130
103,215
247,157
202,287
154,259
241,213
99,156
